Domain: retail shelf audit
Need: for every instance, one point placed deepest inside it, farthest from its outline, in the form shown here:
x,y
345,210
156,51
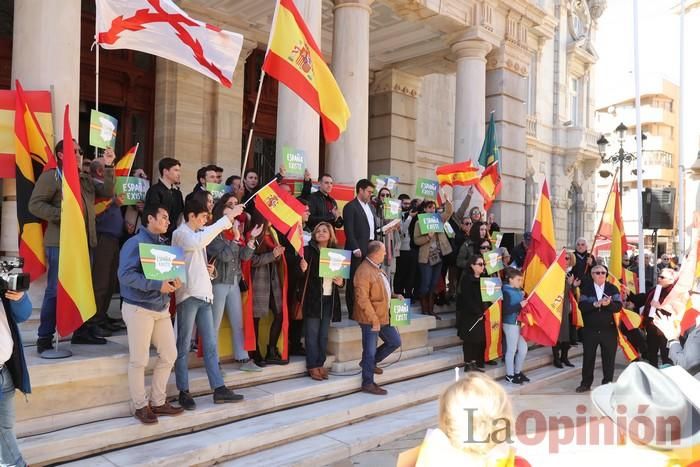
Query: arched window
x,y
575,214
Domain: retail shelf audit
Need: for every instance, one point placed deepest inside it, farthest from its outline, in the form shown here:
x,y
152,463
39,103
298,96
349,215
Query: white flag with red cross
x,y
161,28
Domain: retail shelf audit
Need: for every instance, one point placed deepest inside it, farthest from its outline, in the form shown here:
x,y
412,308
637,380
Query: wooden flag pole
x,y
252,123
97,68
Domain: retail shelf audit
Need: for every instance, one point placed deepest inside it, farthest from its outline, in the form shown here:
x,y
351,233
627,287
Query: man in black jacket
x,y
598,303
321,205
166,193
360,224
584,261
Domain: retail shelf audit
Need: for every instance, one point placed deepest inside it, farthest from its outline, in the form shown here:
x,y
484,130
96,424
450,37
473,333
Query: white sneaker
x,y
250,366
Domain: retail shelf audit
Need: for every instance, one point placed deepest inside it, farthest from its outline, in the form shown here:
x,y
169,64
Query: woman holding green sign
x,y
432,247
470,314
321,301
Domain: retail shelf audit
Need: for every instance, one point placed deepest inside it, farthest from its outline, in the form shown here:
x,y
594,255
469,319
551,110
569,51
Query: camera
x,y
12,281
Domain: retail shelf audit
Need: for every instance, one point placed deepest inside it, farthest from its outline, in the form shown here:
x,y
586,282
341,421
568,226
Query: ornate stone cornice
x,y
510,57
363,4
393,80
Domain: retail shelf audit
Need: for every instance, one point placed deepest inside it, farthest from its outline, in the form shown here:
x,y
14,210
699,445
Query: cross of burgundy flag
x,y
161,28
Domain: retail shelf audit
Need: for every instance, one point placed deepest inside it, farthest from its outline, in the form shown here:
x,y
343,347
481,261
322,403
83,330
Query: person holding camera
x,y
145,311
13,371
599,301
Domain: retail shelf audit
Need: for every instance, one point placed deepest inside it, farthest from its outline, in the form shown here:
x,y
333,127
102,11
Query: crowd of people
x,y
233,254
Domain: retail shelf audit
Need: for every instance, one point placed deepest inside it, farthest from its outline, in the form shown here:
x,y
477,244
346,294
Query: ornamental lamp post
x,y
620,156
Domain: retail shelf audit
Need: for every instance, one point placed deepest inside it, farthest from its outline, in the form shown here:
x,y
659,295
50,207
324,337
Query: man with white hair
x,y
656,342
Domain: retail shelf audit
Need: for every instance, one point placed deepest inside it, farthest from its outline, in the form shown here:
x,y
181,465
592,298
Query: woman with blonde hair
x,y
476,428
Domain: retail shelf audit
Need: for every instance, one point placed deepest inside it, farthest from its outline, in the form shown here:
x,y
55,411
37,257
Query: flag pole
x,y
600,223
252,123
681,135
640,164
134,159
97,67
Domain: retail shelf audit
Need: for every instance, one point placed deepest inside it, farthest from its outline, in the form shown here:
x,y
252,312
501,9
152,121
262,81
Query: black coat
x,y
470,308
314,286
170,199
581,269
599,319
319,212
357,228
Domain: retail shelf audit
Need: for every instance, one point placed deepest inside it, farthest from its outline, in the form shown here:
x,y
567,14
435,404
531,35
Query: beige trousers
x,y
143,328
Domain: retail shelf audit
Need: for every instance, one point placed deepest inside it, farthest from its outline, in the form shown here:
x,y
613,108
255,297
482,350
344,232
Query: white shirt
x,y
327,286
370,218
6,342
194,244
599,290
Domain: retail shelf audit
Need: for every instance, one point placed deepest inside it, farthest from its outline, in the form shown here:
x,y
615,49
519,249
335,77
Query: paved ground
x,y
551,445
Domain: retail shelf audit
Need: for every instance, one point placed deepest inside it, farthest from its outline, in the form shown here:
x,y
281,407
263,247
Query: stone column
x,y
393,111
470,102
505,94
40,61
347,157
297,123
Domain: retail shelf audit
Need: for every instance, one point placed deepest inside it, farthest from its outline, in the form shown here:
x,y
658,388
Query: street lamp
x,y
620,156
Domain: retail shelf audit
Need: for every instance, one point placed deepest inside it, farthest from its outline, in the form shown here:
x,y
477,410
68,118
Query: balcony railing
x,y
531,126
658,158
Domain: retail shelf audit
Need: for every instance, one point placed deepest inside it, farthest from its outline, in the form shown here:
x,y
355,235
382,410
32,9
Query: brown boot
x,y
315,374
324,372
145,415
166,409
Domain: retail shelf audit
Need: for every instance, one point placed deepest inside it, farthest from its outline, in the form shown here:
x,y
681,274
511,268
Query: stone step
x,y
445,337
346,441
449,320
281,427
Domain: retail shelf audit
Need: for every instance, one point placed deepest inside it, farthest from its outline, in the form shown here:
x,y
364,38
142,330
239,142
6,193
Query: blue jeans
x,y
228,297
371,355
47,319
9,451
316,335
429,277
188,312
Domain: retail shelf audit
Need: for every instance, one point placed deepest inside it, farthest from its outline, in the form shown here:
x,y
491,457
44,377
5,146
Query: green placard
x,y
449,231
392,183
162,262
294,161
392,209
493,261
379,182
427,189
217,190
430,222
334,263
133,188
491,289
499,238
103,130
400,312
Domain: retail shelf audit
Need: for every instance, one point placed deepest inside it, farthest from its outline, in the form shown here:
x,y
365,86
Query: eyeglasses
x,y
479,264
484,247
599,273
385,195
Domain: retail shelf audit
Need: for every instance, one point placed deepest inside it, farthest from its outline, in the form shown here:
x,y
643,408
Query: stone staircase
x,y
79,409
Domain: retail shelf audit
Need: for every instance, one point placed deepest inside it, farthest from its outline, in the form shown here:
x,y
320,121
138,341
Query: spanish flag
x,y
460,173
279,207
541,253
123,167
32,156
541,316
630,319
101,205
489,185
627,348
576,316
494,336
75,301
294,59
296,238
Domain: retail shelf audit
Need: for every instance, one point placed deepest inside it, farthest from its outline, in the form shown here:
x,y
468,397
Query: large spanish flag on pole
x,y
123,167
294,59
489,184
541,253
279,207
75,301
541,316
492,327
32,156
459,173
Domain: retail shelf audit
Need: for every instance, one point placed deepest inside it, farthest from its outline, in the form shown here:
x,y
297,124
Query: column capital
x,y
471,48
510,57
395,80
363,4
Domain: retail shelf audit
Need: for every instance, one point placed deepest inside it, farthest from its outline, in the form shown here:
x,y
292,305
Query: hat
x,y
658,408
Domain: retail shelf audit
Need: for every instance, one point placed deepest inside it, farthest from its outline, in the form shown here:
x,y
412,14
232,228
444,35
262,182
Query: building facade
x,y
421,78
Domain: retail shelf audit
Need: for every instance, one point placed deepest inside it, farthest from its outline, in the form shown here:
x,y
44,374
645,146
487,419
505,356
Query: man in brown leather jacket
x,y
372,298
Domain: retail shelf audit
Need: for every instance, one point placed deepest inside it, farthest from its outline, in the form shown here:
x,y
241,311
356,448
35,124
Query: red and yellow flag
x,y
123,167
279,207
75,301
32,156
494,336
101,205
489,185
576,316
630,319
627,348
460,173
296,238
541,315
541,253
294,59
